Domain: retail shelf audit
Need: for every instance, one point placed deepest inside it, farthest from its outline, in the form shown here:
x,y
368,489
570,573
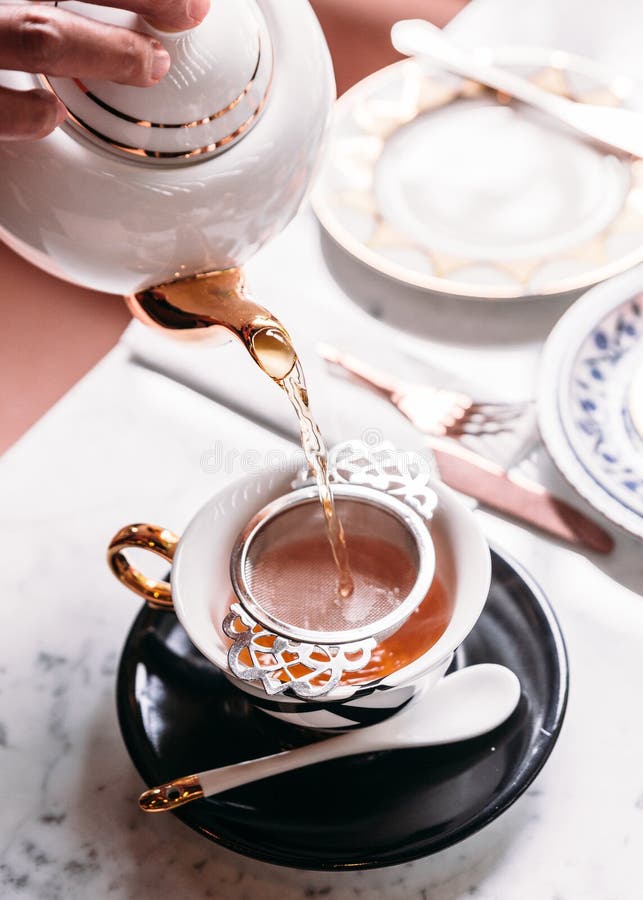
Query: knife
x,y
517,497
507,492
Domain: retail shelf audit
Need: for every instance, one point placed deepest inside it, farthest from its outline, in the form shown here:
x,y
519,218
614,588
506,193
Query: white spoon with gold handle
x,y
462,706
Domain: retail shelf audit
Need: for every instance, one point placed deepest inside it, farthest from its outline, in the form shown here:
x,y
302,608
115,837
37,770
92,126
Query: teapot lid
x,y
213,95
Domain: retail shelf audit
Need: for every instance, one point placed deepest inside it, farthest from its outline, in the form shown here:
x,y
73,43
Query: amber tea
x,y
273,351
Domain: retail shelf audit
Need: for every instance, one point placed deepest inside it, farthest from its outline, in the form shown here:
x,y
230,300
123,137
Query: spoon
x,y
463,705
619,129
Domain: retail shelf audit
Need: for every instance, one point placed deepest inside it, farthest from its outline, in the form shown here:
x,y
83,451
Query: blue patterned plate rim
x,y
611,450
605,318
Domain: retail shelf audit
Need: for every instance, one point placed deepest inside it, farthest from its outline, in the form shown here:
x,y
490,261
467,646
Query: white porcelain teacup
x,y
200,593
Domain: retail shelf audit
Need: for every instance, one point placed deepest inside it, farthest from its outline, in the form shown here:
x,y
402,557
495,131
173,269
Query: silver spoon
x,y
620,129
464,705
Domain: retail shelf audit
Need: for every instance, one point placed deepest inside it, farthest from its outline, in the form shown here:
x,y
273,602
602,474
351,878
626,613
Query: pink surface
x,y
358,31
53,333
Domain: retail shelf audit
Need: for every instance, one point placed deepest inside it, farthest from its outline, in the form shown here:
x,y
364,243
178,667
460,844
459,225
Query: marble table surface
x,y
129,443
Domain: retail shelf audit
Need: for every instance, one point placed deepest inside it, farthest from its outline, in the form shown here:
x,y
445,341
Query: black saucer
x,y
179,715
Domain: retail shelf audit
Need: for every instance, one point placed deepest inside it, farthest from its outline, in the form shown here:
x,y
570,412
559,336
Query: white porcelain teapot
x,y
147,186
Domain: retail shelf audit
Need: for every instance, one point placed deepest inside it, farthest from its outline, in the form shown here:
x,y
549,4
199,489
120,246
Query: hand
x,y
51,41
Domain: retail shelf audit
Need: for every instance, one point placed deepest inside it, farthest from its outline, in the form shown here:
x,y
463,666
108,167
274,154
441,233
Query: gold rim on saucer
x,y
350,203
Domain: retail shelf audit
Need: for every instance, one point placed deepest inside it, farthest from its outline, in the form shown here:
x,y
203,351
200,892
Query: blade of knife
x,y
517,497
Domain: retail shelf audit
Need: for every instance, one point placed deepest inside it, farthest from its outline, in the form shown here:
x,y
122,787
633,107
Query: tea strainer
x,y
290,629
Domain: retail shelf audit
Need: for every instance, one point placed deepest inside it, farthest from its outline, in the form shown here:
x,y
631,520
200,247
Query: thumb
x,y
28,115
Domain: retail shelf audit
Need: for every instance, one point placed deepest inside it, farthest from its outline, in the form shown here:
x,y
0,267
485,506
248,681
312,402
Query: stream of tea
x,y
274,353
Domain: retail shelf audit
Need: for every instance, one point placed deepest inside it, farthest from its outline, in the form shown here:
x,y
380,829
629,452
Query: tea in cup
x,y
446,578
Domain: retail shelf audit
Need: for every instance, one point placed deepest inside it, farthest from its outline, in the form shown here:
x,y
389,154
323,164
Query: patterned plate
x,y
442,184
178,714
591,398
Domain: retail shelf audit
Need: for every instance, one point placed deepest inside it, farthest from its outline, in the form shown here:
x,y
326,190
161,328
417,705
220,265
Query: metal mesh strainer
x,y
284,575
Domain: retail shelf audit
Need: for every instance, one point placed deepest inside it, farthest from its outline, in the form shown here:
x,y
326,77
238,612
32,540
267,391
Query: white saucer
x,y
591,398
441,184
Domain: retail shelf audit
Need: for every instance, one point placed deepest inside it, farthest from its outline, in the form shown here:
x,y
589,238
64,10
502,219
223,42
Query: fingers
x,y
166,15
55,42
28,115
52,41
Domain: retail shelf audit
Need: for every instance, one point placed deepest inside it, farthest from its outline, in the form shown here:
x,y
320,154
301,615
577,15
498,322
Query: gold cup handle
x,y
163,542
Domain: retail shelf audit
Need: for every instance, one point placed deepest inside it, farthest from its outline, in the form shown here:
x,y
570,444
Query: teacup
x,y
200,593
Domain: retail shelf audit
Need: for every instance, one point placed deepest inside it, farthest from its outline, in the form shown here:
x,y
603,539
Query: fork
x,y
435,411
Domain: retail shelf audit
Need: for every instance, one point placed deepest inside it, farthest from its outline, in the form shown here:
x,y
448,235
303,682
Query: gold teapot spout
x,y
191,308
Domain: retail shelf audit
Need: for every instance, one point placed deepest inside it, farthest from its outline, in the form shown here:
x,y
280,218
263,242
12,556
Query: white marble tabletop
x,y
129,444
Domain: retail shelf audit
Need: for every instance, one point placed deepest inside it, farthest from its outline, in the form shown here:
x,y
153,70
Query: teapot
x,y
162,193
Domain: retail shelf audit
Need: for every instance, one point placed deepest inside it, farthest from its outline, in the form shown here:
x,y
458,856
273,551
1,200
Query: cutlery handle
x,y
361,372
518,497
416,37
616,128
184,790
